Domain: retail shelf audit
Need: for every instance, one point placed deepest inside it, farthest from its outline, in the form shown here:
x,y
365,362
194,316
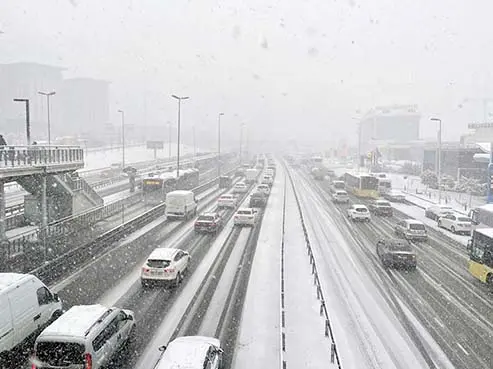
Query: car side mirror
x,y
162,348
130,317
56,297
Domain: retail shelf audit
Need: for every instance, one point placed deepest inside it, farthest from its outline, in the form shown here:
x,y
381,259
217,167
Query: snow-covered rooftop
x,y
76,321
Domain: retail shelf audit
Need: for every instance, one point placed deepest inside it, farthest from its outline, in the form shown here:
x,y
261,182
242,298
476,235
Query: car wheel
x,y
453,229
489,280
439,224
177,280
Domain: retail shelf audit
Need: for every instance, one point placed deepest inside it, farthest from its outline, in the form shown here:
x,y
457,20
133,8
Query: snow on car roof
x,y
488,232
7,279
76,321
178,193
163,253
184,353
413,221
359,206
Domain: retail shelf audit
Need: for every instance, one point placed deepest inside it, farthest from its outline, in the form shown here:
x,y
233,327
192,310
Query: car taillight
x,y
33,366
145,270
88,359
169,270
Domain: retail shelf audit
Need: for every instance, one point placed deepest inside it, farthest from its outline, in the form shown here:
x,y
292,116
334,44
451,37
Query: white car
x,y
80,338
245,216
359,212
264,189
191,352
456,223
165,266
437,211
340,196
240,187
227,201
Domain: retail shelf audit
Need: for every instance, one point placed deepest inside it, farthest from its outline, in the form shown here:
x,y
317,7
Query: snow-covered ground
x,y
104,158
306,344
367,332
259,339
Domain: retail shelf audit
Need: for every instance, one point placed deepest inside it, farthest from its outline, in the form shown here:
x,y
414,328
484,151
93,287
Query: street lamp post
x,y
123,138
179,98
219,144
28,122
169,140
439,169
241,143
194,143
48,95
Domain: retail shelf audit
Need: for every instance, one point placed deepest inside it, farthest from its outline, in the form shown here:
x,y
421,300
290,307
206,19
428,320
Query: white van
x,y
251,175
85,337
26,307
180,204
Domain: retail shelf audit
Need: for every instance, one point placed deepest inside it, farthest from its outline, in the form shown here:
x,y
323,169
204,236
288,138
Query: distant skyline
x,y
292,70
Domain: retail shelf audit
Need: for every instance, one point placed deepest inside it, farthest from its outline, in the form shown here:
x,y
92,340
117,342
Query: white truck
x,y
27,306
251,175
180,204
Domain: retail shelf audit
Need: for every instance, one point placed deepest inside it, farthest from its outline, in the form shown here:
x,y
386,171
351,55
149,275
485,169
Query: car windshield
x,y
158,263
361,210
244,212
383,204
417,227
60,353
209,218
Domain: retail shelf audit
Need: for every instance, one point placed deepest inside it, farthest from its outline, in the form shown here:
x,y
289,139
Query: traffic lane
x,y
359,282
449,271
104,272
388,280
431,294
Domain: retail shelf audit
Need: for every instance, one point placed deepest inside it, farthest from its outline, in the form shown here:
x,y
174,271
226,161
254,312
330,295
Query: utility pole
x,y
219,144
178,140
439,171
48,95
123,138
28,122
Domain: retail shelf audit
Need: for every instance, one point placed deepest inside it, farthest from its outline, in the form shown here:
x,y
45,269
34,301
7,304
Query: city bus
x,y
155,187
362,185
482,216
481,255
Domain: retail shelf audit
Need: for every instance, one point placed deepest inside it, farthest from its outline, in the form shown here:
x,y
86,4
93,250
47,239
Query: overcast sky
x,y
286,68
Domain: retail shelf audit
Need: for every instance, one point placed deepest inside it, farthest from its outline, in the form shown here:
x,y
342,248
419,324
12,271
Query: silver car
x,y
411,229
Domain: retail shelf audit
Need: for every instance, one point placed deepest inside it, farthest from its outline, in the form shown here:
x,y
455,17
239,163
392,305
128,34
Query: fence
x,y
316,281
25,156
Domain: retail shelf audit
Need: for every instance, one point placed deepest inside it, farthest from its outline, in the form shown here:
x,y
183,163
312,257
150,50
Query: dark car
x,y
258,200
396,252
208,223
381,207
225,182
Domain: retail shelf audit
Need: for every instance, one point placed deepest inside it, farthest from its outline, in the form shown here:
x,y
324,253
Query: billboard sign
x,y
155,145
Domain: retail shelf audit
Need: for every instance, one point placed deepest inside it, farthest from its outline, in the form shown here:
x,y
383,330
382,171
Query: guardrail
x,y
334,356
34,155
56,266
60,234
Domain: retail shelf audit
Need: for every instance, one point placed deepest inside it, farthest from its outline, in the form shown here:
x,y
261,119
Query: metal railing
x,y
35,156
80,184
334,356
